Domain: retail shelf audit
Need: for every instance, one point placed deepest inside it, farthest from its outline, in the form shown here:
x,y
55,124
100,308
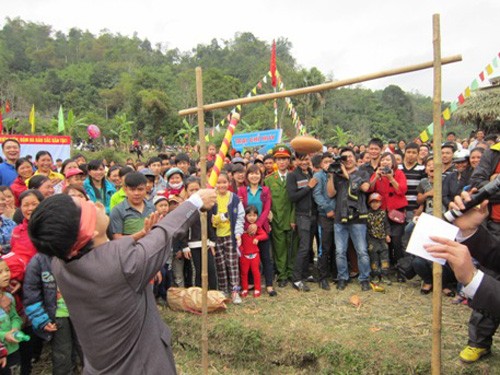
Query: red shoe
x,y
256,294
244,294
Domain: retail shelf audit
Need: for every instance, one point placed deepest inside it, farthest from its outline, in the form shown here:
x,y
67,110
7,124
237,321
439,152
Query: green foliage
x,y
123,130
104,77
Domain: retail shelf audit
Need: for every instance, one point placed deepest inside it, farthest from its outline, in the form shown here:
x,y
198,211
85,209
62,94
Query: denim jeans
x,y
357,232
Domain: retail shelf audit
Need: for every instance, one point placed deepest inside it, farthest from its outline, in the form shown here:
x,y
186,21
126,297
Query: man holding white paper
x,y
481,286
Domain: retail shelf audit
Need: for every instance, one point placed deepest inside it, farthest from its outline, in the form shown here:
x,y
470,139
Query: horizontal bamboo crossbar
x,y
321,87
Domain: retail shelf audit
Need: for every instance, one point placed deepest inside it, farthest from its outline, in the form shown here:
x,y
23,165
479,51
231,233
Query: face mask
x,y
176,186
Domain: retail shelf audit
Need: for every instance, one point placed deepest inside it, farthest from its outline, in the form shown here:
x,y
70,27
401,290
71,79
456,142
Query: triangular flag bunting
x,y
474,85
446,114
461,99
467,92
489,69
31,119
495,63
60,120
481,76
254,90
206,138
453,106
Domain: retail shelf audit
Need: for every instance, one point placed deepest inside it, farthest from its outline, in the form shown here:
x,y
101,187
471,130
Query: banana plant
x,y
185,133
123,130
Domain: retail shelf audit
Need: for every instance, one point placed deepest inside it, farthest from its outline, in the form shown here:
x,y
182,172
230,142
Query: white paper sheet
x,y
428,225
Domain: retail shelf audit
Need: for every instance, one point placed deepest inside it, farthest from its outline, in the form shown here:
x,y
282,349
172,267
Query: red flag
x,y
273,64
481,75
461,99
7,106
442,121
1,122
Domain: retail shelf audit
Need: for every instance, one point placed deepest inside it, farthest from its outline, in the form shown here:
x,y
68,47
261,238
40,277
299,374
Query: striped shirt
x,y
413,177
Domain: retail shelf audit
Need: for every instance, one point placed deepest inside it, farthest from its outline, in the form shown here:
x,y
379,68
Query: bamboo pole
x,y
437,270
203,221
321,87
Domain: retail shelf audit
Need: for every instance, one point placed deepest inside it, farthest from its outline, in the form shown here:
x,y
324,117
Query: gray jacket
x,y
111,302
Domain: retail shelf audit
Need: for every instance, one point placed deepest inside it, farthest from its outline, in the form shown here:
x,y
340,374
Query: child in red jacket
x,y
250,256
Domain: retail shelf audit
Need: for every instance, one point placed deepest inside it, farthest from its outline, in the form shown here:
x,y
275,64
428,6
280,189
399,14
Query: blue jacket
x,y
108,186
40,294
324,202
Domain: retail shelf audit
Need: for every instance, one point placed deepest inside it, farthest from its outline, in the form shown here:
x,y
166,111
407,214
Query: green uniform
x,y
284,240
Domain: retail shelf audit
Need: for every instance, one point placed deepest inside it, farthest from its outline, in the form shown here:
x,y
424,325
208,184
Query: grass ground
x,y
320,332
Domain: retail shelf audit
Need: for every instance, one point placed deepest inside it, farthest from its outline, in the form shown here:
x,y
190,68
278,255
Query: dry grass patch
x,y
322,333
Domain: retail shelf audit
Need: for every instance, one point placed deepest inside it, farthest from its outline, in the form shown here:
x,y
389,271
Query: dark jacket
x,y
485,170
193,238
453,186
484,248
40,294
301,194
351,200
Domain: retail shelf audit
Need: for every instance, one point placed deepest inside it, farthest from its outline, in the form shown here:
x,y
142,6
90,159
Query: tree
x,y
123,131
340,136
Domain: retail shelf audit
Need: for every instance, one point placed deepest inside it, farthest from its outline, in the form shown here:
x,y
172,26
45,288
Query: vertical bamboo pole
x,y
438,167
203,218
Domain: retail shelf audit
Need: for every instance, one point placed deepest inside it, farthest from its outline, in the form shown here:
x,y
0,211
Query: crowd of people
x,y
279,219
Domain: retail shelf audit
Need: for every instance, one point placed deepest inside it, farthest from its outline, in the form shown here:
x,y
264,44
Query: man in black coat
x,y
482,287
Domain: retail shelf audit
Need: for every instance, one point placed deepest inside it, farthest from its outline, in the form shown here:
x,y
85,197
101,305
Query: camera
x,y
335,166
386,170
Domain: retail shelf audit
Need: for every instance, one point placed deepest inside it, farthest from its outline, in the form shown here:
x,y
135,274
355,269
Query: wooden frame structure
x,y
436,65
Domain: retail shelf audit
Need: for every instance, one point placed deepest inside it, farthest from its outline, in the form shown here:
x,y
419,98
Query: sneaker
x,y
341,284
300,286
365,286
310,279
236,298
323,284
471,354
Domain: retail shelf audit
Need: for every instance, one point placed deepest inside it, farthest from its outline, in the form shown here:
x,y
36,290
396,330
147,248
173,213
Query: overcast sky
x,y
343,39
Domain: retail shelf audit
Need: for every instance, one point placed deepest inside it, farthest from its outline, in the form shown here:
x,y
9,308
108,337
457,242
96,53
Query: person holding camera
x,y
349,186
390,183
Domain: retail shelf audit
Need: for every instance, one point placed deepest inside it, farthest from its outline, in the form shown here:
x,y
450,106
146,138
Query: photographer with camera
x,y
390,183
349,186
